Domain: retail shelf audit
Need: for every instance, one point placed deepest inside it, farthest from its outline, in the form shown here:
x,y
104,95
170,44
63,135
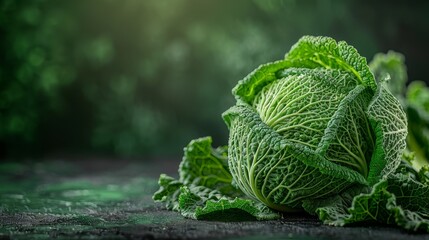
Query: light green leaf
x,y
169,191
310,53
300,104
203,165
246,89
371,207
324,52
400,199
389,122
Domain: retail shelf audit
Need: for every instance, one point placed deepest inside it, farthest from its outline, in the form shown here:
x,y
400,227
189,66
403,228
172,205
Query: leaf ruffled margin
x,y
309,52
389,122
401,199
205,191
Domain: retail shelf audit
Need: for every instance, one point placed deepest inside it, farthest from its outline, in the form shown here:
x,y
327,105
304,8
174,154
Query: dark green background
x,y
141,78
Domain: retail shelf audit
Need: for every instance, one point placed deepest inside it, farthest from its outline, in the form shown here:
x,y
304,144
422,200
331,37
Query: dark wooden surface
x,y
111,199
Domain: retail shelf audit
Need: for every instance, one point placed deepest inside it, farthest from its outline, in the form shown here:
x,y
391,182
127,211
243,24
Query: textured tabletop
x,y
111,199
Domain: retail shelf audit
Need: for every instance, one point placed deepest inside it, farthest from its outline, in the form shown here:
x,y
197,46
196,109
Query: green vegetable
x,y
313,132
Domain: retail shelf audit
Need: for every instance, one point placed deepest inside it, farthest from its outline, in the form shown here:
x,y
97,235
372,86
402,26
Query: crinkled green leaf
x,y
324,52
193,197
169,191
246,89
237,209
370,207
335,205
389,122
312,53
203,165
400,199
205,204
349,139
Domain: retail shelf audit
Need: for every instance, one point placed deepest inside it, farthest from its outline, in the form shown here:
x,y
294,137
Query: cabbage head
x,y
312,132
312,125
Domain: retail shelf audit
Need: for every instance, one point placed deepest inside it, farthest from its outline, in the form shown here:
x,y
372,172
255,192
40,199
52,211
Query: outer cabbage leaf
x,y
169,191
401,199
201,203
390,125
203,165
367,207
324,52
247,88
204,190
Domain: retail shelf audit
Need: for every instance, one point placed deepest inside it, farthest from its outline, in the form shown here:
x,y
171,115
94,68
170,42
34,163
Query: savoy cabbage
x,y
314,132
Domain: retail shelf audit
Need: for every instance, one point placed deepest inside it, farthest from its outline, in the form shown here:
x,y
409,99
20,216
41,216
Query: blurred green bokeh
x,y
142,78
